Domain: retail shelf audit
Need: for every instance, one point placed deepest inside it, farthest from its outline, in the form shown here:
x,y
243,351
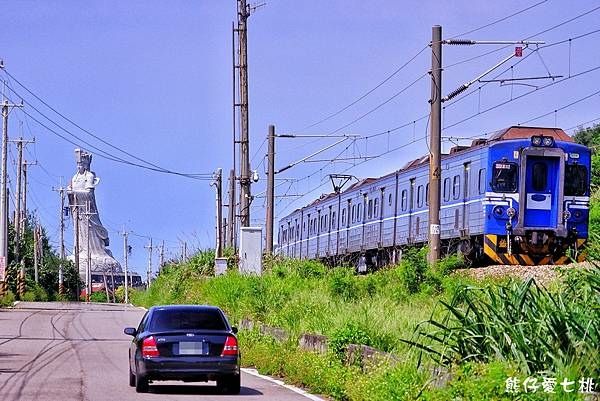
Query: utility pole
x,y
231,210
125,260
4,194
61,192
17,220
218,183
161,255
149,272
77,248
270,189
88,270
24,208
242,30
435,167
36,240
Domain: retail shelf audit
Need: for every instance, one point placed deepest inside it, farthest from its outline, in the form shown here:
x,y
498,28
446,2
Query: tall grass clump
x,y
541,330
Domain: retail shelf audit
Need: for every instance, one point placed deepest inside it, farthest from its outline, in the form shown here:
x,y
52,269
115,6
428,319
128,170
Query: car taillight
x,y
149,349
231,347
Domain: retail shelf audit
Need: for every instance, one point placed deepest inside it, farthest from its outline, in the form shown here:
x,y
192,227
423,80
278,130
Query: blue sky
x,y
154,78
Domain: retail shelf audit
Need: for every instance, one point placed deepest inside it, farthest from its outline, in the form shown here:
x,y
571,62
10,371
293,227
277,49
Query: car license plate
x,y
193,348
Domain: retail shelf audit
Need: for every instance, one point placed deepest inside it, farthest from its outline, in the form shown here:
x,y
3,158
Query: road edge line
x,y
295,389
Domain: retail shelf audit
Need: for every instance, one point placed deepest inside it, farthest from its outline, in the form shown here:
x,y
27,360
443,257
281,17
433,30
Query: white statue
x,y
81,197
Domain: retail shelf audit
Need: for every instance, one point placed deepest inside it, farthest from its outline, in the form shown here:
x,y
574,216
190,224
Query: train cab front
x,y
546,218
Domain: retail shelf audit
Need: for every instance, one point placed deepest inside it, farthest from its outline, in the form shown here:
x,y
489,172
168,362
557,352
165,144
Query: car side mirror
x,y
234,329
130,331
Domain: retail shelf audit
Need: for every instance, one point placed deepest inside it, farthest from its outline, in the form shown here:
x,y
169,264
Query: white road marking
x,y
297,390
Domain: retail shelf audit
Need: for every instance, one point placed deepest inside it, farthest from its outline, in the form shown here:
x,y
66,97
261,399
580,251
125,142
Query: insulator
x,y
459,42
456,92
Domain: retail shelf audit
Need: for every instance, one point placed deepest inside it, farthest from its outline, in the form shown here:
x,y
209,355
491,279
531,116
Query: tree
x,y
48,266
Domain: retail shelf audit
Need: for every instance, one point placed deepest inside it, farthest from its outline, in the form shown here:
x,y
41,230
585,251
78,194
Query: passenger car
x,y
191,343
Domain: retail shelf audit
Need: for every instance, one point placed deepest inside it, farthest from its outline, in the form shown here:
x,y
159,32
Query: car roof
x,y
185,307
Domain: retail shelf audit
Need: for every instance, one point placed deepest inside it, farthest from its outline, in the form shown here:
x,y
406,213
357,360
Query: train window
x,y
333,220
456,187
298,230
358,215
504,177
446,189
370,213
575,180
404,198
420,196
390,200
427,194
539,181
481,184
353,213
326,226
343,217
375,209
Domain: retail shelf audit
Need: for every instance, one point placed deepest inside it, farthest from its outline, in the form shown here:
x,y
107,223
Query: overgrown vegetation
x,y
46,289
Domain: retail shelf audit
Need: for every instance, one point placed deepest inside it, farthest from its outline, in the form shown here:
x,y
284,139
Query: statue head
x,y
83,159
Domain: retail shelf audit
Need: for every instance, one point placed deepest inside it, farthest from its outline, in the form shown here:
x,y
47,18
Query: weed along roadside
x,y
405,332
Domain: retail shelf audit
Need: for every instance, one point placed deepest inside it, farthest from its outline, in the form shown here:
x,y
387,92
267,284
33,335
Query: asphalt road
x,y
75,351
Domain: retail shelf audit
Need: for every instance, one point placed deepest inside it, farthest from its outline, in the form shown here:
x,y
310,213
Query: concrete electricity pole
x,y
242,30
24,208
61,192
4,195
161,255
218,183
125,260
17,220
435,167
270,189
149,272
231,211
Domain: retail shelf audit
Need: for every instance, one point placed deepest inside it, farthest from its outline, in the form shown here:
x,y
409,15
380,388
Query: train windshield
x,y
575,180
504,177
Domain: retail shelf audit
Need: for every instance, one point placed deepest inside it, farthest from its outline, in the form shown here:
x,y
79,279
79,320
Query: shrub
x,y
29,296
343,284
98,296
8,299
349,333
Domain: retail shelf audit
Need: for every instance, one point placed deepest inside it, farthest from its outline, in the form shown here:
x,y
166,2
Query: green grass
x,y
383,310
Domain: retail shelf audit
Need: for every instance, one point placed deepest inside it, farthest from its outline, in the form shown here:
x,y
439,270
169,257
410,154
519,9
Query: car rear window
x,y
208,319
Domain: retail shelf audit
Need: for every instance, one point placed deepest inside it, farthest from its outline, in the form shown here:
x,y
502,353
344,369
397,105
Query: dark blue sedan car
x,y
192,343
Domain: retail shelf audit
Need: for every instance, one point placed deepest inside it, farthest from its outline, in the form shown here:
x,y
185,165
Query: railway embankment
x,y
496,330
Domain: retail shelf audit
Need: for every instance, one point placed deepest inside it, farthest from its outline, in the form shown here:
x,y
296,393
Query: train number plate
x,y
193,348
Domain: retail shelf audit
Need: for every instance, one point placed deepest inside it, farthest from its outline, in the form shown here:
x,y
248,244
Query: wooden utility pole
x,y
435,167
270,189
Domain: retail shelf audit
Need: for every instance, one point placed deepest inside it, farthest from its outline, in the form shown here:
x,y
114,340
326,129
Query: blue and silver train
x,y
520,197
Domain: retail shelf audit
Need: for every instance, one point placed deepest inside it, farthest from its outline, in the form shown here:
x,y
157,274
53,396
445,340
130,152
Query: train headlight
x,y
566,215
498,211
511,212
548,141
536,140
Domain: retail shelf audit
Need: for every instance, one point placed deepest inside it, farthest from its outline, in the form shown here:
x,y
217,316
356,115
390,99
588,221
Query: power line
x,y
368,92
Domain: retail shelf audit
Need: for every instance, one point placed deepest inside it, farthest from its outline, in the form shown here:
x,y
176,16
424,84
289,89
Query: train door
x,y
541,192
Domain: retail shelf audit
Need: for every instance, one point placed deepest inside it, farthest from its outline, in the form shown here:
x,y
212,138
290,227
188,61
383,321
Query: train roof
x,y
513,132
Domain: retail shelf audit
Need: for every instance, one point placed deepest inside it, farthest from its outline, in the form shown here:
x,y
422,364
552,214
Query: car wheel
x,y
131,378
229,384
141,384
